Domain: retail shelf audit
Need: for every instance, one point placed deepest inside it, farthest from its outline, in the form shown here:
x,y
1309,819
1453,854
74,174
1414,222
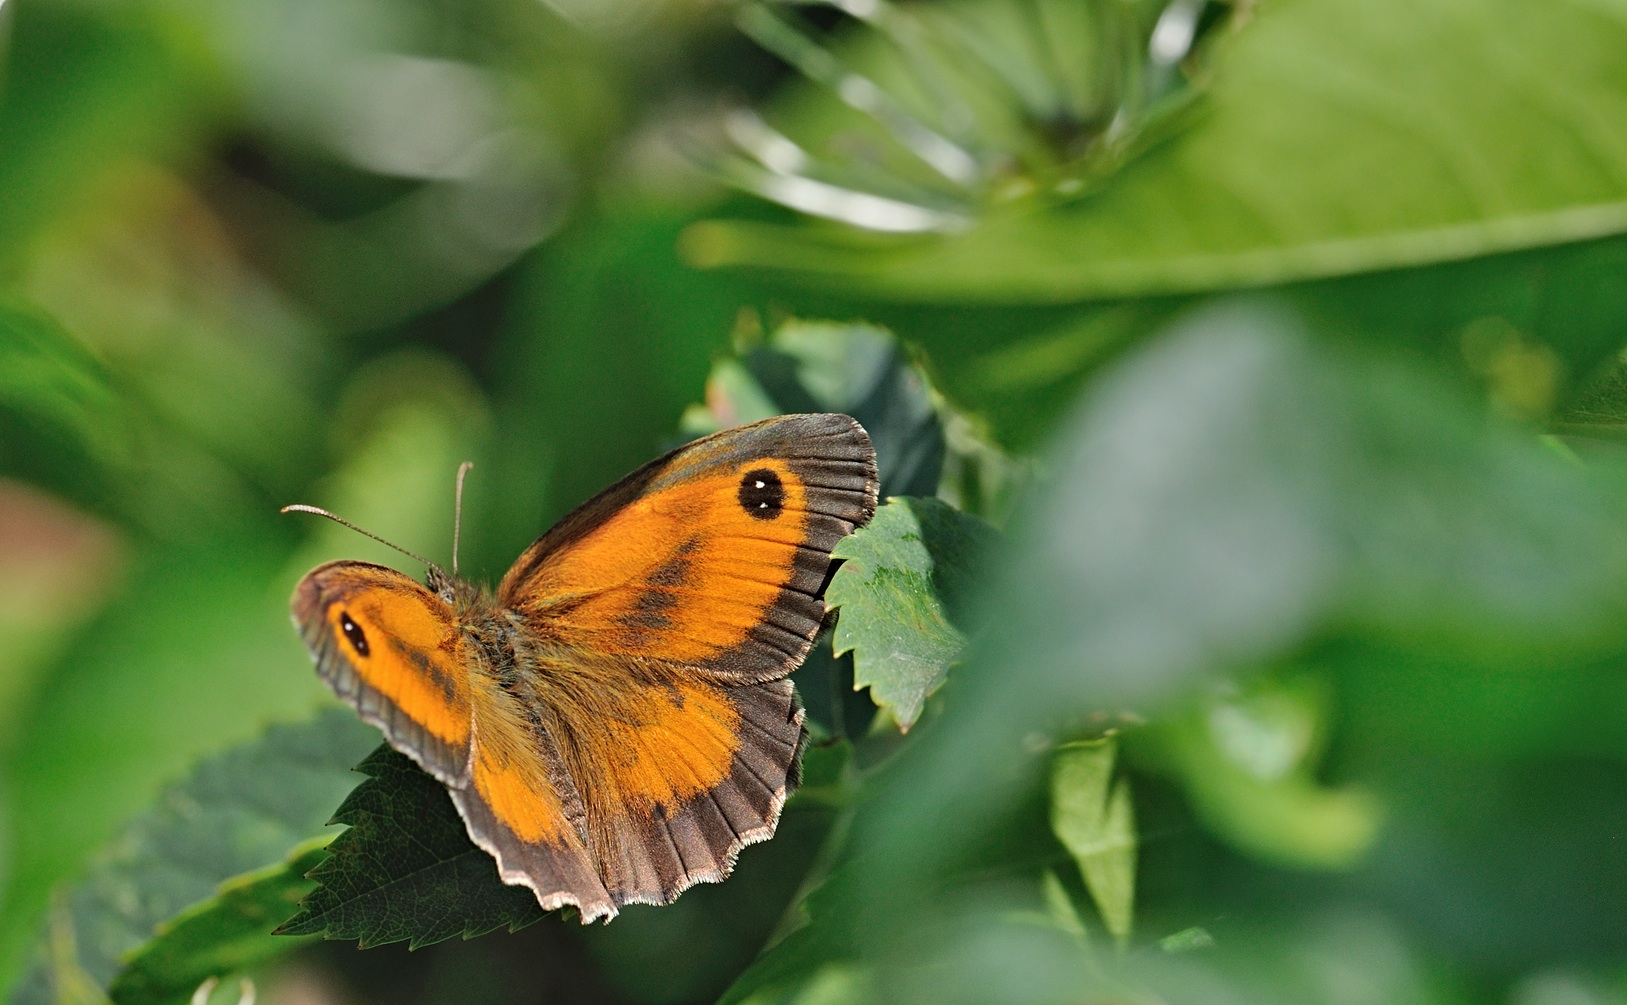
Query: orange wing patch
x,y
518,796
526,813
683,573
672,744
413,659
685,776
509,773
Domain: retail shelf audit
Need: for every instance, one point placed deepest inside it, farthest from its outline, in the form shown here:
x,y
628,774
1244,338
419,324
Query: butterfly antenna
x,y
457,514
302,508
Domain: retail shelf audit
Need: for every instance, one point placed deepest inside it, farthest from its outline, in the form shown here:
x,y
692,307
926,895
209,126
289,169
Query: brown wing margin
x,y
652,858
556,869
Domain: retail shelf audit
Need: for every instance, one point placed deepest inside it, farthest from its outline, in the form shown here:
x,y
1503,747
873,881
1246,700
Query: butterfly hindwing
x,y
677,773
522,808
696,839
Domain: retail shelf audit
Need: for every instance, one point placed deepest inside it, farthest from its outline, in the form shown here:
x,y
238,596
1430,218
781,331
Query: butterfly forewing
x,y
389,648
713,556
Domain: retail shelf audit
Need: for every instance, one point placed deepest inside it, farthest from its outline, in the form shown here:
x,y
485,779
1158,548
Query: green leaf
x,y
1092,817
1222,501
823,366
61,421
900,588
1334,487
190,889
1247,763
406,871
1467,127
819,939
991,101
1599,410
224,935
1187,940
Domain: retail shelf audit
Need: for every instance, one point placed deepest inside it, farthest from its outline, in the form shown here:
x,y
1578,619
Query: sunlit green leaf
x,y
1093,818
902,577
1467,127
1246,766
959,107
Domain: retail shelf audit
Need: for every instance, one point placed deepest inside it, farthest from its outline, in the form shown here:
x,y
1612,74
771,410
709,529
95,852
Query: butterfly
x,y
616,722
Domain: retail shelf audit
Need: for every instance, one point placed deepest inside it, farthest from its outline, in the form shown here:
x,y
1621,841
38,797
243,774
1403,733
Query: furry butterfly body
x,y
614,723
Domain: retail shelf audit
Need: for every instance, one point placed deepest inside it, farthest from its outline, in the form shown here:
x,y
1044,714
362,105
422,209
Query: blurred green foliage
x,y
1281,340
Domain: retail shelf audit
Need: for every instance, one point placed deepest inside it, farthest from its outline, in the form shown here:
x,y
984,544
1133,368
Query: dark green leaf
x,y
405,870
819,941
858,369
62,424
185,887
900,589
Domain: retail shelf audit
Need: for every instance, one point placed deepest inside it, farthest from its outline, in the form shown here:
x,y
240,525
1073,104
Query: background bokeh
x,y
1279,338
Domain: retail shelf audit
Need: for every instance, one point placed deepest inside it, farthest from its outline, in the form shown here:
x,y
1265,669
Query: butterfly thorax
x,y
482,622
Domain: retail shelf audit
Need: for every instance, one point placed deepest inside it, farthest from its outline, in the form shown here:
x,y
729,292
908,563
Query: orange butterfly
x,y
615,724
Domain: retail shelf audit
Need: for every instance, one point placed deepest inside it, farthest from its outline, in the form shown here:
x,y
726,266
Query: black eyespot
x,y
353,634
761,494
